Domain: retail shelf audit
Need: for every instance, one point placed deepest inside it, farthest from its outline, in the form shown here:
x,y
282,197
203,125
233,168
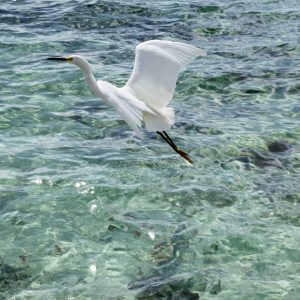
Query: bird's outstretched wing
x,y
130,108
156,69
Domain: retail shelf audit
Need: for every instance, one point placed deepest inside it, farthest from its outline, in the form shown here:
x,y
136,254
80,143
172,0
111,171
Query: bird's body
x,y
150,88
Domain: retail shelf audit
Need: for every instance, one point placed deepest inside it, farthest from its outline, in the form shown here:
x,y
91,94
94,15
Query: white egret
x,y
150,88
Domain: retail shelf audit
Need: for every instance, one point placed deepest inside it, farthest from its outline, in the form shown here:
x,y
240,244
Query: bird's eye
x,y
69,59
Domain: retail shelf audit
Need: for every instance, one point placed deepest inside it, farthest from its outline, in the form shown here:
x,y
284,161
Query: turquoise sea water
x,y
89,211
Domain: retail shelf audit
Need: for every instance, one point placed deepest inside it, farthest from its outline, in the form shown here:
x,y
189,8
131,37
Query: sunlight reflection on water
x,y
88,210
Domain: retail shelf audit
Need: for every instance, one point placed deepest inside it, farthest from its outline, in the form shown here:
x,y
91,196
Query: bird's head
x,y
73,59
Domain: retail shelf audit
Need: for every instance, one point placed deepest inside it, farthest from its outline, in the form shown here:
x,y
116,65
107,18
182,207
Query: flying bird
x,y
150,88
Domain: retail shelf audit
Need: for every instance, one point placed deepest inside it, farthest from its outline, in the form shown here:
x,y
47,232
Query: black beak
x,y
57,58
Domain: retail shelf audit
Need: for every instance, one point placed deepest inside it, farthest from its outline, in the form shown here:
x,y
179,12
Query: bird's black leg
x,y
171,143
166,137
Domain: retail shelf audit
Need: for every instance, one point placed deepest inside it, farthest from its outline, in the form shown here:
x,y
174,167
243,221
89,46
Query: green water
x,y
89,211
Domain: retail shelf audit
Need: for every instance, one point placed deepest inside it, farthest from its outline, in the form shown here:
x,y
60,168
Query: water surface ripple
x,y
89,211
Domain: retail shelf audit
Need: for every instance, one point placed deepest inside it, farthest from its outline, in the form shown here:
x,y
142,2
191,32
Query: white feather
x,y
156,69
153,80
150,87
130,108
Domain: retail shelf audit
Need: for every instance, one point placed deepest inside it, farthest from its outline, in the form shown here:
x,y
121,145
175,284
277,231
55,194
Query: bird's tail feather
x,y
160,121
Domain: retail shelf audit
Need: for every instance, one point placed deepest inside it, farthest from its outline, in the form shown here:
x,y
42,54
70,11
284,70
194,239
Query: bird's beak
x,y
67,59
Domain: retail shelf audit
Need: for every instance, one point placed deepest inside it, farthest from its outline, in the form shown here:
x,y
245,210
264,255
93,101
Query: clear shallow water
x,y
89,211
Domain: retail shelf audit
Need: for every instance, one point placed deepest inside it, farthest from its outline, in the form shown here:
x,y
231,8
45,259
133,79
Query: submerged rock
x,y
181,295
264,159
163,252
164,283
12,276
216,289
274,156
279,146
174,287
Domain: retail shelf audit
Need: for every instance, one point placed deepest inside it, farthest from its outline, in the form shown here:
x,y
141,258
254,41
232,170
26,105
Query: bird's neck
x,y
91,81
